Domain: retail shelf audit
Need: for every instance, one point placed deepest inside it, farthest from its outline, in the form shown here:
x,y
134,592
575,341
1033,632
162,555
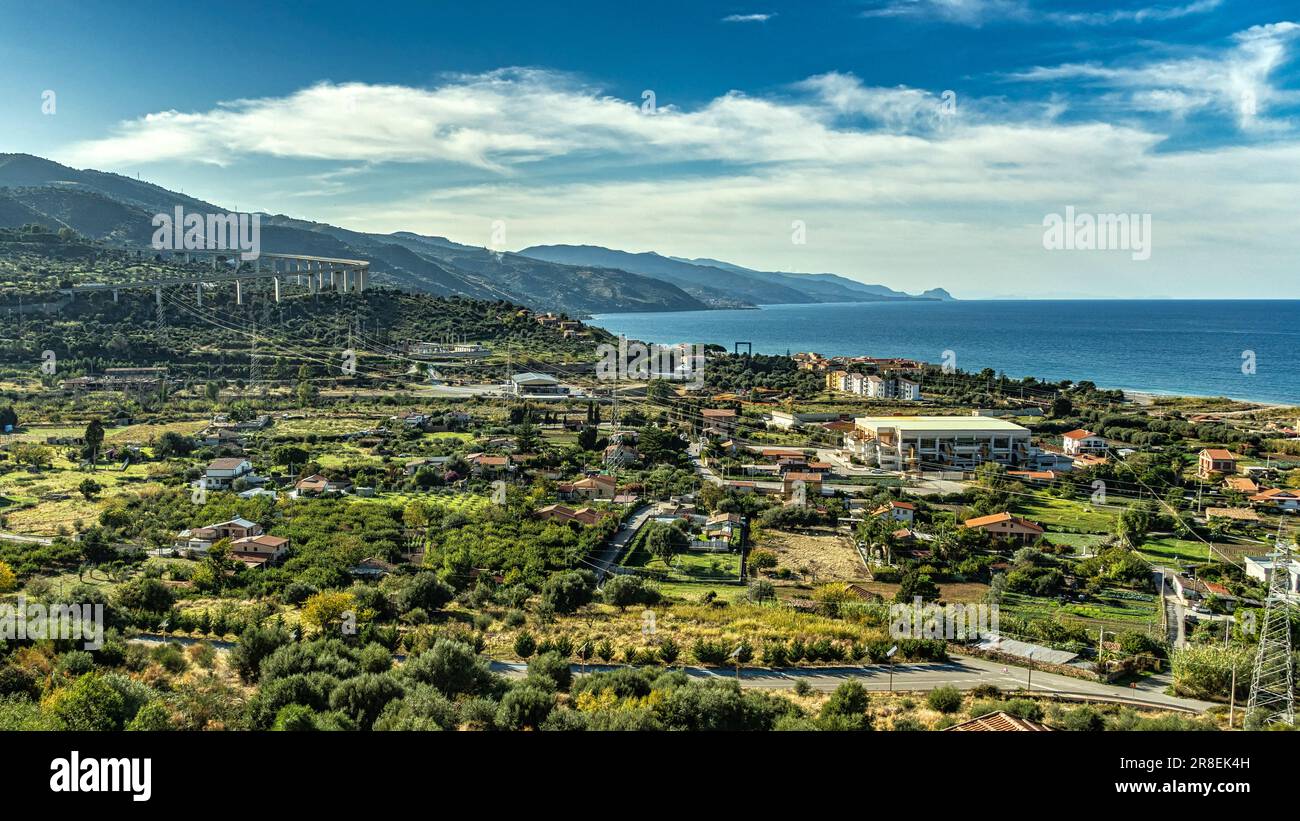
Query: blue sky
x,y
915,143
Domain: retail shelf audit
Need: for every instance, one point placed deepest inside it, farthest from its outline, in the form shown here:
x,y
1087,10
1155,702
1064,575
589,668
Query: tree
x,y
255,644
89,488
172,444
31,453
914,584
8,579
89,704
290,455
143,593
363,697
566,592
588,437
8,419
1062,406
1133,523
425,591
94,437
453,668
329,609
625,591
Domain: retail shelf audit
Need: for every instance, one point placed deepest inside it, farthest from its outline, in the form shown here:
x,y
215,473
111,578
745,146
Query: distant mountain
x,y
578,280
119,210
723,284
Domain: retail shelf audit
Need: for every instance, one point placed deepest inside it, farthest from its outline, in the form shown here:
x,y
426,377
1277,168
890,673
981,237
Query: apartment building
x,y
918,443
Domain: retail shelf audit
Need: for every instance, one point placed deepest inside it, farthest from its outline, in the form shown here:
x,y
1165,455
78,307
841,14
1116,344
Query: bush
x,y
944,699
525,645
553,669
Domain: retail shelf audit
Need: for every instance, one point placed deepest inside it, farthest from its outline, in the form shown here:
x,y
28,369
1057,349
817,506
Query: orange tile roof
x,y
1000,722
981,521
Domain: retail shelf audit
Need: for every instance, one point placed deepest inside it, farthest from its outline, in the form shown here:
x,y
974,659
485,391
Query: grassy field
x,y
1067,513
45,501
1169,548
1113,607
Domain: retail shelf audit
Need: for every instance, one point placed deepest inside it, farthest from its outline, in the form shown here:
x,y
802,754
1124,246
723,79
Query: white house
x,y
1261,567
1080,441
222,473
898,511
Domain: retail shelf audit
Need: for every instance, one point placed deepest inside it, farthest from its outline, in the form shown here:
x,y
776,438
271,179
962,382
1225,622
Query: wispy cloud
x,y
748,18
980,12
1237,82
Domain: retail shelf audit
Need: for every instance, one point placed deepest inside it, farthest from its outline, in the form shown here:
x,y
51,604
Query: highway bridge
x,y
318,274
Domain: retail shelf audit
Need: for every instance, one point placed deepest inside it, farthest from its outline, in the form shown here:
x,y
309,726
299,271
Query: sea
x,y
1241,349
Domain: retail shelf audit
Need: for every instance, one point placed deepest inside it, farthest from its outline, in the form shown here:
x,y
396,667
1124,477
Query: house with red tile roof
x,y
1081,441
1005,526
1216,461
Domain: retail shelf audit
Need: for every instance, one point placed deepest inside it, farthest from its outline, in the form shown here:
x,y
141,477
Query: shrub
x,y
944,699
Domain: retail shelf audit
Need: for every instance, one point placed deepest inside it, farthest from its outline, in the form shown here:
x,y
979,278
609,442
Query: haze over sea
x,y
1187,347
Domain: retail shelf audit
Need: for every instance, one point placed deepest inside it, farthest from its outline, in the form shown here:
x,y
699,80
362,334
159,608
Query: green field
x,y
1169,548
1068,514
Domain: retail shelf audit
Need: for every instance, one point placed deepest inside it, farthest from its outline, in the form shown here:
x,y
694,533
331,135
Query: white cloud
x,y
748,18
889,191
1236,82
979,12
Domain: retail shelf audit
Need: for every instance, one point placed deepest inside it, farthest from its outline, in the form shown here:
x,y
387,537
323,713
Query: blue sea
x,y
1187,347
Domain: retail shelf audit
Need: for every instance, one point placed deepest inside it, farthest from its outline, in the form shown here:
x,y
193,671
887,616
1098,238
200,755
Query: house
x,y
742,487
621,454
1214,461
414,466
536,386
788,420
222,473
721,418
259,550
201,539
1080,441
917,443
221,437
1277,499
1240,514
1005,526
564,514
1035,477
594,487
999,722
316,485
810,482
1241,484
372,568
898,511
725,527
1189,590
482,464
1261,568
256,492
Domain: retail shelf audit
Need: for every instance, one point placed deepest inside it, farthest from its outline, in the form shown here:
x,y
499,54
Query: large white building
x,y
937,442
536,386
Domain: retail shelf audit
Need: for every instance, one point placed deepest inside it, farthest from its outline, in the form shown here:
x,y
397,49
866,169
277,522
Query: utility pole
x,y
1272,685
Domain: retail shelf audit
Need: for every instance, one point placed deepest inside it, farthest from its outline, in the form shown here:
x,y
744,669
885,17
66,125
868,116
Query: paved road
x,y
18,537
609,554
963,672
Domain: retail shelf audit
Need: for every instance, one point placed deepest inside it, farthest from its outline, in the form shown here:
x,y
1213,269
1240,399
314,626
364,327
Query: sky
x,y
911,143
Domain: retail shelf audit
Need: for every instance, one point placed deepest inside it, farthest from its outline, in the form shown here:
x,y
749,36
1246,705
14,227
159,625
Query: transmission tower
x,y
1272,687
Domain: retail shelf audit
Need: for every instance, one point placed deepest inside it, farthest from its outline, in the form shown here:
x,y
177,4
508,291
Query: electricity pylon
x,y
1272,687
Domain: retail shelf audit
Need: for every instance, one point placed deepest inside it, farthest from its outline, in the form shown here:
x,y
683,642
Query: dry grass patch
x,y
827,557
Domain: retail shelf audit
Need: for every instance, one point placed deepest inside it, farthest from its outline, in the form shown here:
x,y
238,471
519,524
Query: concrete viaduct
x,y
317,273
